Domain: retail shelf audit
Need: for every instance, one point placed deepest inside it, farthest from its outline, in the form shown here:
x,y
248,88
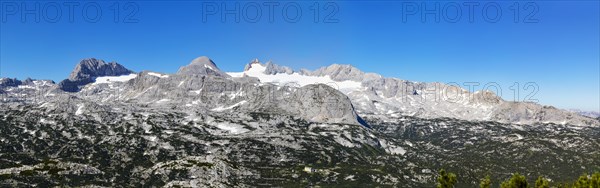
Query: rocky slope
x,y
151,147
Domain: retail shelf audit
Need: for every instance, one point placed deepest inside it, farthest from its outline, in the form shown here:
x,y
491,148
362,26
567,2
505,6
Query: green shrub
x,y
446,180
516,181
485,182
542,182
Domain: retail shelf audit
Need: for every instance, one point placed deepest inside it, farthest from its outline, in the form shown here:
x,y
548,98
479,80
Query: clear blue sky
x,y
560,52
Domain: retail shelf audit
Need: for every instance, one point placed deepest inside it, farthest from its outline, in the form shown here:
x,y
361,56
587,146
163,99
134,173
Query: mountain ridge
x,y
367,93
392,96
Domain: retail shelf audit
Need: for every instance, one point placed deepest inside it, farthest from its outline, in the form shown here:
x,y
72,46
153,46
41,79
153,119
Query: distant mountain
x,y
88,70
202,66
9,82
592,114
371,93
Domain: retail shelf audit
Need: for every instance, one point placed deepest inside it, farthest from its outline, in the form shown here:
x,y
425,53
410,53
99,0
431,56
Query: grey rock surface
x,y
92,67
202,66
396,97
201,85
88,70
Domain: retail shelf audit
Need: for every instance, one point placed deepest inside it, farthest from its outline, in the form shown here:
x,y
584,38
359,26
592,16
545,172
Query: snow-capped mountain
x,y
371,93
344,94
88,70
271,126
201,85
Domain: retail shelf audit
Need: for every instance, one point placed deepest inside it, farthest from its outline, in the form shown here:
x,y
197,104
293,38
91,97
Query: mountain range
x,y
332,94
272,126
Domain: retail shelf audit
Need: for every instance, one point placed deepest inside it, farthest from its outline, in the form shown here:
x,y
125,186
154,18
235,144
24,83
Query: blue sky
x,y
560,53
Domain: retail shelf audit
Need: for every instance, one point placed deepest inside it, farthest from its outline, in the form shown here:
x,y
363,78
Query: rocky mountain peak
x,y
10,82
340,72
203,66
272,68
92,67
88,70
253,62
203,60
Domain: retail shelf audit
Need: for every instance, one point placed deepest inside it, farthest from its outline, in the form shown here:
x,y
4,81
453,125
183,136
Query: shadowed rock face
x,y
14,82
9,82
88,70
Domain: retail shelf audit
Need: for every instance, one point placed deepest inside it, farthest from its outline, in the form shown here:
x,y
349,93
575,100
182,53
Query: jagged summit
x,y
340,72
269,68
92,67
202,66
253,62
10,82
87,70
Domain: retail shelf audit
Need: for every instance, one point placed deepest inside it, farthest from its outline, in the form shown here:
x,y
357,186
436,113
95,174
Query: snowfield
x,y
111,79
158,75
296,79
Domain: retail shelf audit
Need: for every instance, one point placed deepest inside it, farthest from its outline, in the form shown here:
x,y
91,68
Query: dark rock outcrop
x,y
10,82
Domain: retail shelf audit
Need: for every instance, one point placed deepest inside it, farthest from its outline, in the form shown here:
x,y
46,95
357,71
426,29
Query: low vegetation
x,y
449,179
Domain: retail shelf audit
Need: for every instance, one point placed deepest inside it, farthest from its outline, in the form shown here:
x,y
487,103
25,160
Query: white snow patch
x,y
350,177
25,87
236,74
343,141
519,137
112,79
197,91
231,128
208,67
151,138
158,75
163,100
391,148
45,121
296,79
79,109
219,109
